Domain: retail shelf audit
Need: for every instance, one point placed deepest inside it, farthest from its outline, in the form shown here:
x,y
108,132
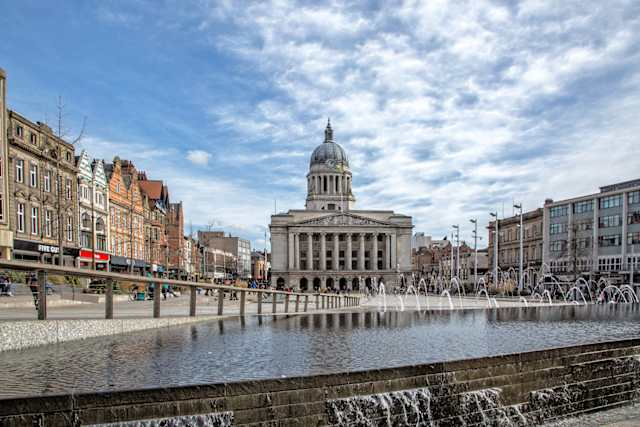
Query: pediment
x,y
343,219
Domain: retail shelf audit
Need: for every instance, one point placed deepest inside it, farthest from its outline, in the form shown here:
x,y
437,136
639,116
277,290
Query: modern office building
x,y
594,235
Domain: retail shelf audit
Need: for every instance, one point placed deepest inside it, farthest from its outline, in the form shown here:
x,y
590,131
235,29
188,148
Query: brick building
x,y
176,239
509,241
126,217
157,195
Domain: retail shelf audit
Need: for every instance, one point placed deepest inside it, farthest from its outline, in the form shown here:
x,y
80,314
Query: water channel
x,y
273,347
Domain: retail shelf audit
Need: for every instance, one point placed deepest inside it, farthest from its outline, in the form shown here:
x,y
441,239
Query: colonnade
x,y
388,249
329,184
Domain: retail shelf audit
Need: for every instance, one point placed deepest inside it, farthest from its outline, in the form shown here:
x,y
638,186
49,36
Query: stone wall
x,y
523,389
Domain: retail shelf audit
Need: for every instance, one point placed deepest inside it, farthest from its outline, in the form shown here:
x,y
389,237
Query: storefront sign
x,y
48,249
26,245
99,256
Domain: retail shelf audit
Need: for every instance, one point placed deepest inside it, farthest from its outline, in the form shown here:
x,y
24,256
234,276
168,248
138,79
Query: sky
x,y
448,110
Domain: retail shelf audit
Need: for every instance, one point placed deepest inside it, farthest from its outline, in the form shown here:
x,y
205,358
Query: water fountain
x,y
448,295
577,291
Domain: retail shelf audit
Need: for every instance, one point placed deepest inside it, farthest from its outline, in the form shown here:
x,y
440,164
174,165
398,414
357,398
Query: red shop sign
x,y
99,255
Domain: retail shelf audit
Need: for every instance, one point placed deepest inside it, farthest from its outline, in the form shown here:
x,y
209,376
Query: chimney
x,y
548,201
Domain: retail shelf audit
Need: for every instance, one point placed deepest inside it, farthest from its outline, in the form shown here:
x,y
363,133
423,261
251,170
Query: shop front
x,y
25,250
120,264
102,259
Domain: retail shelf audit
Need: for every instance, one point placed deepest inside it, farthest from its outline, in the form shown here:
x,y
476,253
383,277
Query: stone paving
x,y
626,416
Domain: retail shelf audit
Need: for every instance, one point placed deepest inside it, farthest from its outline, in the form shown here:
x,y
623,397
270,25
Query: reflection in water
x,y
269,347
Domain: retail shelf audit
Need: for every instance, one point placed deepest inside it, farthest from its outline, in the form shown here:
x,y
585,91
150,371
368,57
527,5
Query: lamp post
x,y
519,207
457,228
495,248
451,263
475,250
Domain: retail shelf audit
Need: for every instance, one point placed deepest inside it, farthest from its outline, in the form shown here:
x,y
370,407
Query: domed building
x,y
329,244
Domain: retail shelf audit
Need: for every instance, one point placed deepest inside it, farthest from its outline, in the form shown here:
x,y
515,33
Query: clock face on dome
x,y
331,163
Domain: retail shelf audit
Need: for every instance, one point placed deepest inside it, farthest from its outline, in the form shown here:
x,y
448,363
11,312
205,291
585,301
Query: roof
x,y
153,188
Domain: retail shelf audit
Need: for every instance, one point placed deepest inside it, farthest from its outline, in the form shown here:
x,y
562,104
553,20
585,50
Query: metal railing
x,y
320,300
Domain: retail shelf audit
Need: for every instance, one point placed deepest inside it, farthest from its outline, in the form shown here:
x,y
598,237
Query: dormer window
x,y
34,138
19,131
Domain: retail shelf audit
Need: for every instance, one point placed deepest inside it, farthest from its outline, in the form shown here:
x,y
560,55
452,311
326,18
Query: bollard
x,y
242,301
306,302
193,295
42,295
273,303
108,300
286,303
220,301
297,303
157,291
260,295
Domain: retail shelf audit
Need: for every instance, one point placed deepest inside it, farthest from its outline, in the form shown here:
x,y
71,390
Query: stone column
x,y
336,252
387,252
361,253
291,250
394,261
347,254
309,251
323,252
296,251
374,254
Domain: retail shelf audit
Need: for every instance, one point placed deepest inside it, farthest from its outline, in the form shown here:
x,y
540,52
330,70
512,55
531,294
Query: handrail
x,y
322,300
34,266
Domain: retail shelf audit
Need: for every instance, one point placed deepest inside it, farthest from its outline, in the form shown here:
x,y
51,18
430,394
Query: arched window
x,y
86,220
100,225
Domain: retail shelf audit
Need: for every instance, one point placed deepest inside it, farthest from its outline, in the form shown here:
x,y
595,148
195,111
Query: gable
x,y
342,219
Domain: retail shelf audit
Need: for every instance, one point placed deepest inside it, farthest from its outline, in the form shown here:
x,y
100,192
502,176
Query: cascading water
x,y
216,419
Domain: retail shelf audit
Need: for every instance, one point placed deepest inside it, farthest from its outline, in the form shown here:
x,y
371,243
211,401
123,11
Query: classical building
x,y
37,160
330,245
126,217
93,204
6,235
509,241
240,249
595,235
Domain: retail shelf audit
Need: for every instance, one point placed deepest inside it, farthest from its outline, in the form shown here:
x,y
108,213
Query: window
x,y
86,220
585,225
33,175
1,208
633,218
557,245
85,239
633,238
34,220
583,243
47,181
20,222
34,138
610,240
582,207
19,131
99,225
117,187
68,188
69,229
19,170
558,228
68,156
558,211
610,202
101,242
610,221
634,197
47,223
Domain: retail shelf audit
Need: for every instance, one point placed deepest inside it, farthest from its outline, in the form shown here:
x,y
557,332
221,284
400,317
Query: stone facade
x,y
330,246
93,205
6,235
157,195
37,160
509,242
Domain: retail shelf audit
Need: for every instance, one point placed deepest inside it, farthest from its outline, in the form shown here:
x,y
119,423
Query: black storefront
x,y
121,264
26,250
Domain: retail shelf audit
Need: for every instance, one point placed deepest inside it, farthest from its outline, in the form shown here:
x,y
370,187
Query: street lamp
x,y
457,228
475,250
519,207
495,248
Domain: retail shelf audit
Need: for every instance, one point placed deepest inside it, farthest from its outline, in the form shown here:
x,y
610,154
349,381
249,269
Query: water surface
x,y
271,347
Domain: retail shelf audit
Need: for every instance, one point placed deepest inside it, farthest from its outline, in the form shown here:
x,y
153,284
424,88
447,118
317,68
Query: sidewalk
x,y
625,416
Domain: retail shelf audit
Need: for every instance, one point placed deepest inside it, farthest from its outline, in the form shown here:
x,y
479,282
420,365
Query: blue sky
x,y
447,109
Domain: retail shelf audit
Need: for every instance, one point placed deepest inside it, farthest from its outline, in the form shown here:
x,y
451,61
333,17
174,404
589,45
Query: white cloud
x,y
198,157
